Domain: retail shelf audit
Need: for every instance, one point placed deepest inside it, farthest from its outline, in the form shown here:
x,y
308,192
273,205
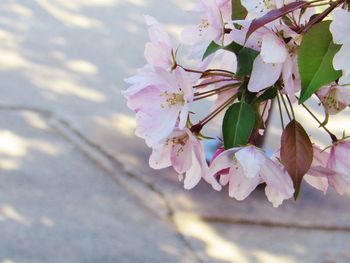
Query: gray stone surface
x,y
217,242
68,59
56,206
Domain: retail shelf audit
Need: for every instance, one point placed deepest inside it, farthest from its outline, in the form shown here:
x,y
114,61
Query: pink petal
x,y
240,186
158,54
277,179
156,31
221,162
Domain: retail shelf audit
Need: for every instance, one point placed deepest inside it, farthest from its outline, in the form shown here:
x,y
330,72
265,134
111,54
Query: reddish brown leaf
x,y
296,153
273,15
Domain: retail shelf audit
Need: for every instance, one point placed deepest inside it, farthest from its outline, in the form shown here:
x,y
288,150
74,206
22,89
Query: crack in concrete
x,y
110,163
99,156
267,224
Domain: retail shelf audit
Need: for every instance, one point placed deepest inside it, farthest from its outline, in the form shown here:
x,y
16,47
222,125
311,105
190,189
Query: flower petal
x,y
340,26
240,186
273,50
264,75
221,162
251,161
342,58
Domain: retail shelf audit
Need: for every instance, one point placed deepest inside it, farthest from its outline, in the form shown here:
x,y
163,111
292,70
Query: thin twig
x,y
280,109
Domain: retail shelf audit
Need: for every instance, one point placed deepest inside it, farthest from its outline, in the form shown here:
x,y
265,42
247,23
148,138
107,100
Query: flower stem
x,y
198,127
210,83
291,106
321,16
280,110
333,137
211,72
285,107
202,95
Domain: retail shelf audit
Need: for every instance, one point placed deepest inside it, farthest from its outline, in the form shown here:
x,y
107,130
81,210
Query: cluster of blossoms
x,y
266,51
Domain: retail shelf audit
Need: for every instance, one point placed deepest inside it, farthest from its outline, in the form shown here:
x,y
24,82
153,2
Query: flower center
x,y
179,142
331,102
269,4
235,163
173,99
203,26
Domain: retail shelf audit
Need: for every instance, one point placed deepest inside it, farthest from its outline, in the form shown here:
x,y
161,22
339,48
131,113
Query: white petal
x,y
342,58
183,117
340,26
251,161
345,80
274,196
264,75
160,157
273,50
320,183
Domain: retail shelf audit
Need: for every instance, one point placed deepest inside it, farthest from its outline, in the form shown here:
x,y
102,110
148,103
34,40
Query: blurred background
x,y
75,185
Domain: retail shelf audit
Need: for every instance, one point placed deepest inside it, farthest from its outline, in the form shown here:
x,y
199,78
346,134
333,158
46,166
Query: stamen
x,y
173,99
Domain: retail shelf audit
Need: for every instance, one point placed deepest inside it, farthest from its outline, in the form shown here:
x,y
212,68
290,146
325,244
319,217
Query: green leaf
x,y
245,56
315,60
269,94
234,47
245,59
238,125
245,95
238,10
212,48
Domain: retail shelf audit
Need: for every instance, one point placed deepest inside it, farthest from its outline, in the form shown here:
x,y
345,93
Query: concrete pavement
x,y
75,185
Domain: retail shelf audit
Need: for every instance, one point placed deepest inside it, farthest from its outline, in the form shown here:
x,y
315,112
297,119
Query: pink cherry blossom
x,y
185,153
258,8
318,175
159,51
341,35
225,7
223,175
277,59
249,167
339,161
335,98
161,106
146,76
211,28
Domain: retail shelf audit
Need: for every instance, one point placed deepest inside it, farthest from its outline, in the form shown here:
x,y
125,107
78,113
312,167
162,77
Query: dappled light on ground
x,y
124,124
8,212
68,18
70,58
215,245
